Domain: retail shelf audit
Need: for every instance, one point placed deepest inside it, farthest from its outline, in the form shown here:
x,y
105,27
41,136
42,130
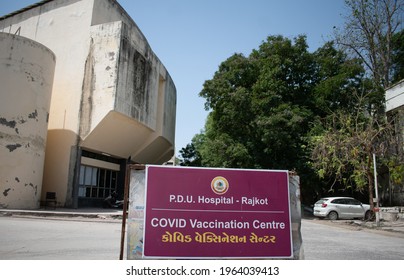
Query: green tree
x,y
282,101
220,149
368,34
345,149
267,110
228,127
190,155
260,106
337,76
263,106
352,134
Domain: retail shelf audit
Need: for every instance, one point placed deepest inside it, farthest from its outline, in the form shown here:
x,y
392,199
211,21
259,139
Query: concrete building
x,y
26,78
395,114
112,99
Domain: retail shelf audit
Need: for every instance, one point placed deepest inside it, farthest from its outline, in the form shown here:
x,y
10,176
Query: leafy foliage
x,y
368,34
345,149
263,106
283,107
260,107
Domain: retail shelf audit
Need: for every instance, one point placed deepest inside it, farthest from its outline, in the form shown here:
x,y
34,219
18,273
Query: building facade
x,y
112,99
395,114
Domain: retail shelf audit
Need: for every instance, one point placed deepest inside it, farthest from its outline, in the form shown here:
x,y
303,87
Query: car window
x,y
321,201
339,201
353,202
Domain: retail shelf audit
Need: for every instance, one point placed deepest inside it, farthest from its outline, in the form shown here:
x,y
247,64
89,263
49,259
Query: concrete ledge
x,y
90,213
391,213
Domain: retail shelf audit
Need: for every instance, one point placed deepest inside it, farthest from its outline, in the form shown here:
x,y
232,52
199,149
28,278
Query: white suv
x,y
341,208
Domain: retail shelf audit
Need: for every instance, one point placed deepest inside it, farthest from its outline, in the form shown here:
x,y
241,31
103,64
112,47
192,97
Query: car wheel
x,y
369,216
333,215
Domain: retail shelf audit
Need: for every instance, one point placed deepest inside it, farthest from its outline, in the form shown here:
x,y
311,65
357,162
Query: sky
x,y
192,37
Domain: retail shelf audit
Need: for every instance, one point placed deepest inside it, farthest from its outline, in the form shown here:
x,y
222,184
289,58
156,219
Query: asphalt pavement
x,y
116,214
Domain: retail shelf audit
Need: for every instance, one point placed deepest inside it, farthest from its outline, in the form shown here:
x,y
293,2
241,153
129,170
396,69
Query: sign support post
x,y
129,167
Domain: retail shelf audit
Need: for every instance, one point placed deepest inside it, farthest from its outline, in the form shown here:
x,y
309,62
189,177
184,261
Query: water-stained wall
x,y
123,79
111,94
26,77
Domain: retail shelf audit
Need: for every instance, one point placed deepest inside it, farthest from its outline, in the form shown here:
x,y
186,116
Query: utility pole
x,y
376,193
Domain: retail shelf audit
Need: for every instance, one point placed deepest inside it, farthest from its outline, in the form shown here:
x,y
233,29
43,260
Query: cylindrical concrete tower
x,y
26,78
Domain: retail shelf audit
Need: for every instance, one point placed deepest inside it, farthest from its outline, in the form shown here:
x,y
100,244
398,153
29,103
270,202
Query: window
x,y
339,201
321,201
96,182
354,202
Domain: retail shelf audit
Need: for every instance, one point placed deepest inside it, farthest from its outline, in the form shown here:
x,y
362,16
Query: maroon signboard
x,y
216,213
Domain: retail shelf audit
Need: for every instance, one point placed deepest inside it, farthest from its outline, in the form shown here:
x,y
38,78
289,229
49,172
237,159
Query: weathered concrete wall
x,y
26,78
391,214
99,102
100,76
120,79
170,109
395,96
62,26
154,97
146,93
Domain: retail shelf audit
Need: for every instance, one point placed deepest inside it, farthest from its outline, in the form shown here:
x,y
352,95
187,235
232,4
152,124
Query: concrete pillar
x,y
26,78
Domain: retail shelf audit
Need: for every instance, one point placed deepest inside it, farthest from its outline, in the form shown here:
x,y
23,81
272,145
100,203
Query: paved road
x,y
46,239
85,239
325,240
